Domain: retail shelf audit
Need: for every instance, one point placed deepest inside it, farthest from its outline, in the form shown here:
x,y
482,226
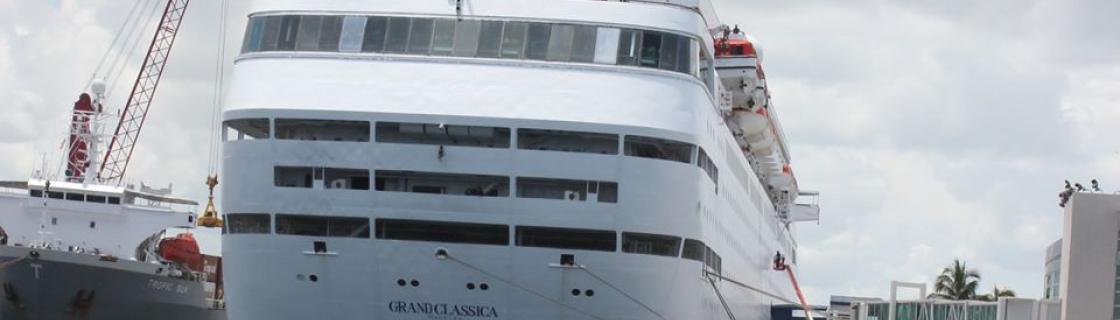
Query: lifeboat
x,y
183,249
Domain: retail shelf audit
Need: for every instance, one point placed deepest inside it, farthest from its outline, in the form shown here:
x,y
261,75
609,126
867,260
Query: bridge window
x,y
258,223
420,37
323,226
95,199
114,200
693,250
709,166
450,232
246,129
322,130
564,238
373,40
55,195
36,193
570,141
570,190
542,41
441,134
653,244
442,183
351,38
654,148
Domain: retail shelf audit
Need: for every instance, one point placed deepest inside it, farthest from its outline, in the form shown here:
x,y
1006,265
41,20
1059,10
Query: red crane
x,y
143,90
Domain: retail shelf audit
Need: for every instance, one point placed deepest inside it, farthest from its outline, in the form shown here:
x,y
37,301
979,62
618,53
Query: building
x,y
1087,280
1052,277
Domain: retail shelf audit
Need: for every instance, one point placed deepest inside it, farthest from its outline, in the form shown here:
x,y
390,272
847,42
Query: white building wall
x,y
1092,225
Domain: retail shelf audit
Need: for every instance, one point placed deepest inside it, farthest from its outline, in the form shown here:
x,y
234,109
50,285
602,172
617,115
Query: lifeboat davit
x,y
183,249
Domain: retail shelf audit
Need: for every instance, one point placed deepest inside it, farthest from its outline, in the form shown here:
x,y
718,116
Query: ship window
x,y
583,43
397,39
270,36
420,38
670,51
606,46
289,29
451,232
36,193
713,261
443,38
330,33
490,39
373,40
248,223
653,244
560,42
246,129
253,34
95,199
693,250
308,37
306,225
709,167
570,141
351,179
647,147
629,47
293,177
75,197
513,40
442,183
536,48
322,130
114,200
55,195
466,38
564,238
570,190
651,49
436,134
352,32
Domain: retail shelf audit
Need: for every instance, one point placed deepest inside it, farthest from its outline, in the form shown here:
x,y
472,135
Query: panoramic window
x,y
565,189
322,130
442,183
709,167
714,261
36,193
652,244
564,238
693,250
543,41
55,195
654,148
75,197
246,129
570,141
323,226
442,134
114,200
258,223
442,231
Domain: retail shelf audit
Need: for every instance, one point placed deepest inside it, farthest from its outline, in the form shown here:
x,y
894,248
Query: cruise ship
x,y
495,159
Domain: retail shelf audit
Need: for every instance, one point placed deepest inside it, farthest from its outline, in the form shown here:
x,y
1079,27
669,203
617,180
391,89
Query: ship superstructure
x,y
503,160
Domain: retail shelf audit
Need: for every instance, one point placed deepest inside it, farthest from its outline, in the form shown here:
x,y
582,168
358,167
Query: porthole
x,y
484,286
575,292
589,293
313,278
415,283
401,282
470,286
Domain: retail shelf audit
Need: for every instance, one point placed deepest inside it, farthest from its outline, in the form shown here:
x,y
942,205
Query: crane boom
x,y
143,90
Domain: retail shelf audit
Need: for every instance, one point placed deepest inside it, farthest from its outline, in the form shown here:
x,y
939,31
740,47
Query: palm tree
x,y
956,282
997,293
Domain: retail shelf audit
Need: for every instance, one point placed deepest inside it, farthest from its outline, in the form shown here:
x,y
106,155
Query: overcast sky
x,y
933,129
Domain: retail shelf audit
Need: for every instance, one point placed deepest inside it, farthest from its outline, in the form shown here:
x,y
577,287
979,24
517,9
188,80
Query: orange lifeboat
x,y
183,248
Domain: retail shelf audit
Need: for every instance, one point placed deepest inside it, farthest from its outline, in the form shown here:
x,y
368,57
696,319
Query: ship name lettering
x,y
443,310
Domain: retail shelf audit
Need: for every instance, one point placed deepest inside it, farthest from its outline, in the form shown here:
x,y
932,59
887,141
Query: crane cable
x,y
120,30
219,79
635,300
152,18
